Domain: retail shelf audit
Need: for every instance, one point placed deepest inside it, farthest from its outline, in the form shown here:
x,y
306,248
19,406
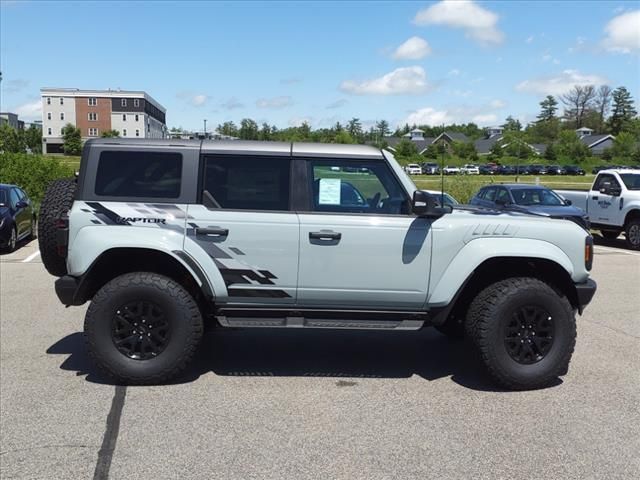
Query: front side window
x,y
246,183
503,196
139,174
605,178
15,198
345,186
536,196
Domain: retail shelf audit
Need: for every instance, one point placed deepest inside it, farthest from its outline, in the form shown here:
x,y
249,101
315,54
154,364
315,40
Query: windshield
x,y
631,180
536,196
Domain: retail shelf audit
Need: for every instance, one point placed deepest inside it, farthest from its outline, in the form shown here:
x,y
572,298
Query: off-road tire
x,y
632,233
181,310
609,234
493,308
57,201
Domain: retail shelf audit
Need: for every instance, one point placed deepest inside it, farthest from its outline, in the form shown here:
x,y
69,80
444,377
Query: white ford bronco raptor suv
x,y
162,236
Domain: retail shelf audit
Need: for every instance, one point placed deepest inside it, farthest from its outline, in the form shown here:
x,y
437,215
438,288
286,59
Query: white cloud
x,y
454,73
623,33
291,80
199,100
29,111
338,103
413,49
546,57
16,85
485,119
429,116
579,45
298,121
497,104
402,81
529,39
232,104
196,100
274,102
560,83
478,22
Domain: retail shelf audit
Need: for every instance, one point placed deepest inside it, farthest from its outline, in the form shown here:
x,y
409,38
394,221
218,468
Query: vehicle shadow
x,y
613,243
314,353
19,245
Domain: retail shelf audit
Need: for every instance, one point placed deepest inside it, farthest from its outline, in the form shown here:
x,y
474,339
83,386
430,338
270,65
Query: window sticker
x,y
329,191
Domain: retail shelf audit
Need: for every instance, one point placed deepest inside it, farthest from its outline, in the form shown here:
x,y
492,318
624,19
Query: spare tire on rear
x,y
56,203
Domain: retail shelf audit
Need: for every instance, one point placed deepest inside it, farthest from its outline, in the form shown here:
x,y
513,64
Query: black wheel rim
x,y
528,335
140,330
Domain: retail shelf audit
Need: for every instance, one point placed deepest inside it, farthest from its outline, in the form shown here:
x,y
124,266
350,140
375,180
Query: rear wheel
x,y
525,332
13,240
142,328
609,234
632,233
57,201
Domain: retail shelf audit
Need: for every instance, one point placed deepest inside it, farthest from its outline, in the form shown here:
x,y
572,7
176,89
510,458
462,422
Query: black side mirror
x,y
425,205
21,204
568,203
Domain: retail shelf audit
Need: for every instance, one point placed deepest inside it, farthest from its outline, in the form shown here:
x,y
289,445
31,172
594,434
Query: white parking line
x,y
31,257
617,250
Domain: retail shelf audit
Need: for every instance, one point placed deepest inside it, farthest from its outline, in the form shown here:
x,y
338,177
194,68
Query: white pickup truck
x,y
612,203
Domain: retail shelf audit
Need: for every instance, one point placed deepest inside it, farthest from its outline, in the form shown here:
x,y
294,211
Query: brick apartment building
x,y
132,114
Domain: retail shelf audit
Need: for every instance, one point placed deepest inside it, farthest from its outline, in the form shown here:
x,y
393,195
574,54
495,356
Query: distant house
x,y
12,120
449,137
484,145
416,135
596,143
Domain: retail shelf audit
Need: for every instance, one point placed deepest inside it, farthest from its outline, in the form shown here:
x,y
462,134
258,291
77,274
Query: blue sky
x,y
423,62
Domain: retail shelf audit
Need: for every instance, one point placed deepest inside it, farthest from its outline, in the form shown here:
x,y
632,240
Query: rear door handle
x,y
216,231
325,235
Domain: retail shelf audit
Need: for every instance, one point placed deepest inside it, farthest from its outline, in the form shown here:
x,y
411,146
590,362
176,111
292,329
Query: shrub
x,y
31,172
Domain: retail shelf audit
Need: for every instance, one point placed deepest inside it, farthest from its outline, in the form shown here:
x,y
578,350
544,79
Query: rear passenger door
x,y
243,227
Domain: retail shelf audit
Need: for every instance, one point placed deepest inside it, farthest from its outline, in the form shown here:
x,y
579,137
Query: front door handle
x,y
594,198
325,235
214,231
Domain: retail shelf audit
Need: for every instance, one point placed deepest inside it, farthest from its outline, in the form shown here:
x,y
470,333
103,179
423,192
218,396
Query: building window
x,y
61,115
93,117
137,117
93,132
61,101
124,132
137,132
48,115
124,117
136,102
48,100
93,102
123,102
49,131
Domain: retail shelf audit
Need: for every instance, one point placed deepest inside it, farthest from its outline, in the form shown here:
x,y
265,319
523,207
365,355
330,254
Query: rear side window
x,y
246,183
139,174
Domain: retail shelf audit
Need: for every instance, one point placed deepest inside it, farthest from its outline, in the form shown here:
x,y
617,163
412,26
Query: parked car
x,y
506,170
534,199
573,170
597,169
223,239
555,170
17,217
451,170
613,203
537,170
470,169
430,168
489,169
413,169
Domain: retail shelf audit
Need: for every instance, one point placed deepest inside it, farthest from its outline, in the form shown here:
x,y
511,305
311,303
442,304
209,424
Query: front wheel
x,y
632,233
525,332
142,328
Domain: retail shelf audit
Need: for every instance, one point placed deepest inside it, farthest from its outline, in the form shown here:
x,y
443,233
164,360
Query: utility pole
x,y
205,128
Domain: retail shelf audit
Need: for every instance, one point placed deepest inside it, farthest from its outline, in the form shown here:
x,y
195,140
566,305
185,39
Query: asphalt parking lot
x,y
316,404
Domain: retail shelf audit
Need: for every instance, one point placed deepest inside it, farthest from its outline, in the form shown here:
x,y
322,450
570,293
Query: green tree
x,y
571,148
406,148
383,128
431,151
71,140
33,139
465,150
248,129
11,140
112,134
228,128
550,152
343,137
496,150
512,125
354,127
622,111
623,146
548,109
265,132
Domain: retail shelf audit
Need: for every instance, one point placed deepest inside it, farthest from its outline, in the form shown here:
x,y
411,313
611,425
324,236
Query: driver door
x,y
359,245
603,206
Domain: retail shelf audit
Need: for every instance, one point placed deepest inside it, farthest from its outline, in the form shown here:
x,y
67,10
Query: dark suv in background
x,y
17,217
